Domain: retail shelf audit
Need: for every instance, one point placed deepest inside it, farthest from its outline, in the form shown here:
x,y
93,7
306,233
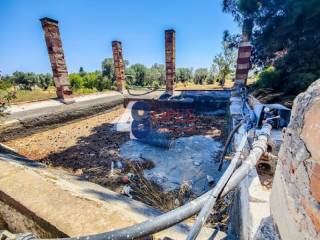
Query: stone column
x,y
170,46
56,55
295,196
243,61
118,65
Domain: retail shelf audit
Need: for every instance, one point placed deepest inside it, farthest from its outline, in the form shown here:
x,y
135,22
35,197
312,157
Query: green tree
x,y
155,76
90,80
103,83
75,80
6,82
184,75
286,36
140,72
25,81
108,69
130,76
44,81
200,75
223,64
82,73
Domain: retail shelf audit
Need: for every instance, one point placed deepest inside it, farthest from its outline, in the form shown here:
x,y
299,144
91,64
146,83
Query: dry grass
x,y
151,194
24,96
31,96
192,86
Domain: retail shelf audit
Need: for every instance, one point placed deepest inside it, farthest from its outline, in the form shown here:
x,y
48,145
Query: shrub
x,y
25,81
76,81
103,83
5,83
90,80
5,100
269,78
45,81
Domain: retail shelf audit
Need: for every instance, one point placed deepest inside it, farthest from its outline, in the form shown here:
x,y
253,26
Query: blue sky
x,y
88,26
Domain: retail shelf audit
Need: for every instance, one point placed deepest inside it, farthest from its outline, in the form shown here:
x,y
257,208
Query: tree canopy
x,y
285,38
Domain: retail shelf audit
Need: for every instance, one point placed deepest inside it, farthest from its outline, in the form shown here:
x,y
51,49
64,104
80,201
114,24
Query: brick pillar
x,y
170,45
118,65
243,61
56,55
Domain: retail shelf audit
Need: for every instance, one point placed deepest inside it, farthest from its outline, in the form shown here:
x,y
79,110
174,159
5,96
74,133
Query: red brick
x,y
118,65
170,49
56,56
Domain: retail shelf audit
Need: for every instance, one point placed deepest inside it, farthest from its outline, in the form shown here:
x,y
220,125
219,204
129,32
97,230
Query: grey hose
x,y
259,147
141,94
211,201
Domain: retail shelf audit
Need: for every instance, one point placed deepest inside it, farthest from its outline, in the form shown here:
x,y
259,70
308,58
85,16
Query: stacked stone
x,y
243,61
295,197
170,48
56,55
118,65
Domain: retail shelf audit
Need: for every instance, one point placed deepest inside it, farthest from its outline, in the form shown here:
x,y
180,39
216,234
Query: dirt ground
x,y
88,147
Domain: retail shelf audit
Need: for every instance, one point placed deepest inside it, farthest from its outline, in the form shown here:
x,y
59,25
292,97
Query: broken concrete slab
x,y
189,160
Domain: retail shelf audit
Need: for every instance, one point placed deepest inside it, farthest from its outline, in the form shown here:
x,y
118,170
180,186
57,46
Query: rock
x,y
126,191
78,172
119,165
210,179
196,163
124,179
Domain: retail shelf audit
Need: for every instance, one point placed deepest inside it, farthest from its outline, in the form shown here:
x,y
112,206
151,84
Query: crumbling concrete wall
x,y
295,198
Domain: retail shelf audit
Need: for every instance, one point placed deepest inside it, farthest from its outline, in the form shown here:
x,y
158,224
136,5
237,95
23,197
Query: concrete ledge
x,y
30,118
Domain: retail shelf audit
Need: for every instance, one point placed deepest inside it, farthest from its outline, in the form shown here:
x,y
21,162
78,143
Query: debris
x,y
119,165
196,163
126,191
78,172
112,169
130,175
210,179
124,179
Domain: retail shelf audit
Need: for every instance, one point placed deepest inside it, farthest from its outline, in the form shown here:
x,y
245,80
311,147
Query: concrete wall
x,y
295,198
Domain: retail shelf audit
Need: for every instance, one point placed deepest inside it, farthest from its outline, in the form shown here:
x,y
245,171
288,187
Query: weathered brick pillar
x,y
118,65
170,47
243,61
295,196
56,55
